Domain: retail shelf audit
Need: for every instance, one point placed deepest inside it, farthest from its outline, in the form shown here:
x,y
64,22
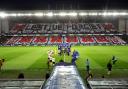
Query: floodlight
x,y
99,13
55,14
83,14
62,14
50,14
72,14
20,14
29,14
13,14
93,13
123,13
38,14
115,13
3,15
104,13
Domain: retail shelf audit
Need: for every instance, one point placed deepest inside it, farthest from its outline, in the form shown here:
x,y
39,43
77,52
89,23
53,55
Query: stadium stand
x,y
46,40
56,33
40,40
109,27
117,40
12,40
87,39
71,39
102,39
25,40
56,39
17,28
74,28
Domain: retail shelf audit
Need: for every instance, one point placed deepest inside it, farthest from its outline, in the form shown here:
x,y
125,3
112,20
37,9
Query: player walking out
x,y
114,60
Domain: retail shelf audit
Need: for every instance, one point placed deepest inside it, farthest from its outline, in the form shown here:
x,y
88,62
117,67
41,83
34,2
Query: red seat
x,y
87,39
40,39
102,39
56,39
25,39
72,39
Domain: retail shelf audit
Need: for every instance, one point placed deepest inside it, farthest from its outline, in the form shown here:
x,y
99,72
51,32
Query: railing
x,y
21,83
109,83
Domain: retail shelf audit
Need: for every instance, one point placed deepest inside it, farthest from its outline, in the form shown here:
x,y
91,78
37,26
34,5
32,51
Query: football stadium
x,y
64,49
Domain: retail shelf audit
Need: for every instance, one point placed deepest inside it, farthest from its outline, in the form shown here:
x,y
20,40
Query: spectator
x,y
47,75
21,76
103,76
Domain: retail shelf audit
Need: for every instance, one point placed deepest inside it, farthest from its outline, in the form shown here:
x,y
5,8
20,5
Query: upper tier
x,y
63,28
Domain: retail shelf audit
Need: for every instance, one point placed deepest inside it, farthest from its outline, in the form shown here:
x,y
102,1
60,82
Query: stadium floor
x,y
32,61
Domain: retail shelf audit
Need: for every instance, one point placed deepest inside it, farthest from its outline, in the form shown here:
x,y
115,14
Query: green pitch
x,y
32,61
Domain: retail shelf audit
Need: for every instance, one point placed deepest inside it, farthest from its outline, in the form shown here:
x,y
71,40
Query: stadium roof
x,y
62,4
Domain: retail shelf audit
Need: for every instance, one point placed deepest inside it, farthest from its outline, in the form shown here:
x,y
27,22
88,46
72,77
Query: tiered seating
x,y
98,28
12,40
71,39
108,27
87,39
83,28
3,40
25,40
55,39
40,40
63,28
33,28
117,40
17,28
101,39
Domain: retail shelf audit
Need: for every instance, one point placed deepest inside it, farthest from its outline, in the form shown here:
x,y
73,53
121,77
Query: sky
x,y
62,4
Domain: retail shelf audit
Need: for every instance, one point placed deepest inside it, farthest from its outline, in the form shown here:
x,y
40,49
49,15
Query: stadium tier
x,y
87,39
102,39
41,40
56,33
76,28
17,28
71,39
56,39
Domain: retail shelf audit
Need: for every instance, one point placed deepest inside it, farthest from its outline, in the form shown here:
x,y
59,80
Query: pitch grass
x,y
32,61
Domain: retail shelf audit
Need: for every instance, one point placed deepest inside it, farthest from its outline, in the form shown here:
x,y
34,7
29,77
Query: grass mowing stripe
x,y
31,59
21,62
